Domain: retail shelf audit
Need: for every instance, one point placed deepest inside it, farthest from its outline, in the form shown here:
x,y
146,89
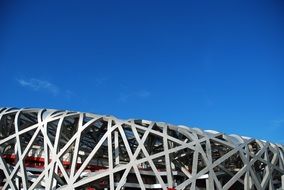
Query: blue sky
x,y
209,64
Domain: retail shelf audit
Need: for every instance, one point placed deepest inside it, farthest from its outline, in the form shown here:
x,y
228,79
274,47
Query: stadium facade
x,y
55,149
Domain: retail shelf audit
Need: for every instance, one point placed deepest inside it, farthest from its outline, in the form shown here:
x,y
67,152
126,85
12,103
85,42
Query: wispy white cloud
x,y
39,85
123,97
277,123
99,81
68,94
142,94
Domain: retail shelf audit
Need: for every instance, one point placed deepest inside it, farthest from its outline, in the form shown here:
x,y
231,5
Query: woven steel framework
x,y
54,149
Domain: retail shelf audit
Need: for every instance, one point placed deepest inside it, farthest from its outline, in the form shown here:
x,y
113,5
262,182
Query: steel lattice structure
x,y
54,149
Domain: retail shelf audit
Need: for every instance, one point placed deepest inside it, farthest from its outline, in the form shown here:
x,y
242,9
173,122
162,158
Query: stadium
x,y
57,149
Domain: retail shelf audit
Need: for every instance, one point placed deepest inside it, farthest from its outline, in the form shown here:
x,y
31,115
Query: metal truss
x,y
54,149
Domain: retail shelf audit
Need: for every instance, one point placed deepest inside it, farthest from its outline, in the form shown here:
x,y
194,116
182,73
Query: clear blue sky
x,y
214,65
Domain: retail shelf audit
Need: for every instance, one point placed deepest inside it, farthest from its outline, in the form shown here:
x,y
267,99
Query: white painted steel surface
x,y
55,149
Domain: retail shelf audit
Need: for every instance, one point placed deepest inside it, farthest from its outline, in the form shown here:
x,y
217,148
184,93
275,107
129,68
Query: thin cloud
x,y
100,81
277,123
123,97
39,85
143,94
